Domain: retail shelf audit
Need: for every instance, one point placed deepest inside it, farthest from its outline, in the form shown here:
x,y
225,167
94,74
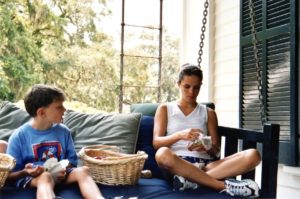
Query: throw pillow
x,y
119,129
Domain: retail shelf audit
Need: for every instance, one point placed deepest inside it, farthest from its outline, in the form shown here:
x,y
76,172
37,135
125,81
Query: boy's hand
x,y
32,170
59,176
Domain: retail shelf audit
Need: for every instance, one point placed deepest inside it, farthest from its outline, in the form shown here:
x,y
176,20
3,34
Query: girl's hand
x,y
32,170
197,146
214,151
190,134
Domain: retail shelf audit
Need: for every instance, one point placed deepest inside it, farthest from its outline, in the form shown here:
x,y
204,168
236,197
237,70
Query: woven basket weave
x,y
7,163
114,168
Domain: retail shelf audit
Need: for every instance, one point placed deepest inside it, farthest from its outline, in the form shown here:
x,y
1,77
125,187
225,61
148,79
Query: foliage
x,y
141,73
58,42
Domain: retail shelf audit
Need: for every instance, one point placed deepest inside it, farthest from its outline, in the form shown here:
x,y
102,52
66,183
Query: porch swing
x,y
236,139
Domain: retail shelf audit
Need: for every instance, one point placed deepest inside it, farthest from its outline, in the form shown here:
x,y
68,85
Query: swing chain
x,y
202,36
257,64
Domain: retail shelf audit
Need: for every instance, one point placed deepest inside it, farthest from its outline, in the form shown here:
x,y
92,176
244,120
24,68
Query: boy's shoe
x,y
243,188
180,183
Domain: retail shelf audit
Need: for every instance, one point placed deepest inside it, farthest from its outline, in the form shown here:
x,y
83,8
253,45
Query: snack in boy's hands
x,y
203,140
54,167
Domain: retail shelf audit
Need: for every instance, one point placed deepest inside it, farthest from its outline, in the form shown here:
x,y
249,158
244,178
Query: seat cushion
x,y
145,189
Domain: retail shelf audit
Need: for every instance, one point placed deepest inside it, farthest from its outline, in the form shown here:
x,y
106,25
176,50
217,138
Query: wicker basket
x,y
7,163
114,168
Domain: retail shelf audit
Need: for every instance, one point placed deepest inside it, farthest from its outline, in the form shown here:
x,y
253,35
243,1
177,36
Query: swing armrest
x,y
267,142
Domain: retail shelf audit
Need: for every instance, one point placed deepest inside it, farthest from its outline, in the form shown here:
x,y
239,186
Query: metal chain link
x,y
202,36
262,110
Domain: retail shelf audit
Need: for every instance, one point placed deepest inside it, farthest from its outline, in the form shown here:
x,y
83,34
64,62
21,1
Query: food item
x,y
99,157
54,167
146,174
203,140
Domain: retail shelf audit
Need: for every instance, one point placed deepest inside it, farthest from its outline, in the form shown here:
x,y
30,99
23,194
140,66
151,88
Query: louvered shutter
x,y
276,26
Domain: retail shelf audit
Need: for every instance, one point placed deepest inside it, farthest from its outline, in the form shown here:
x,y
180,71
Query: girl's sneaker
x,y
180,183
242,188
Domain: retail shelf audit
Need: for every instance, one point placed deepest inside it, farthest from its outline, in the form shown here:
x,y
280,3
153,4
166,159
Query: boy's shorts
x,y
24,182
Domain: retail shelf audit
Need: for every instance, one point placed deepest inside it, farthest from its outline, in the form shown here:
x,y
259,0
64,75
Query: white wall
x,y
192,23
226,61
221,53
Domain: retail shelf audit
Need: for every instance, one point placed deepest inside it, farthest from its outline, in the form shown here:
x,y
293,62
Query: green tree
x,y
58,42
55,42
141,74
19,56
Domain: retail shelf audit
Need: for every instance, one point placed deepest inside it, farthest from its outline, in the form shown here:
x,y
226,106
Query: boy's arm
x,y
14,176
29,170
71,154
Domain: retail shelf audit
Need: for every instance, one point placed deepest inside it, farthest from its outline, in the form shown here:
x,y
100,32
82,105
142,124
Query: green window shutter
x,y
276,23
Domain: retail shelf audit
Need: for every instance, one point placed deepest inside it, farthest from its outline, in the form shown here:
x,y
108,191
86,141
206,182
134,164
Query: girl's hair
x,y
189,70
42,96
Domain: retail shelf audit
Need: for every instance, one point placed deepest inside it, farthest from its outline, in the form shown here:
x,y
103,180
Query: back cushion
x,y
144,143
145,108
119,129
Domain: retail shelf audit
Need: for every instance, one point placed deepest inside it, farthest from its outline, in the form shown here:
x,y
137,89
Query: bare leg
x,y
88,187
169,160
234,165
44,184
3,146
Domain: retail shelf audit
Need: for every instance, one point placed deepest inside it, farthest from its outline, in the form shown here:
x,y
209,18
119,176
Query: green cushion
x,y
148,109
109,129
11,117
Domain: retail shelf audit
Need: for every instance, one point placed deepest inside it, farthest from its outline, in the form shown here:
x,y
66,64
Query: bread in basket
x,y
7,163
110,167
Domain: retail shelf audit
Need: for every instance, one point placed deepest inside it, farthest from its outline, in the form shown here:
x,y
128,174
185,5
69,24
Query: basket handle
x,y
103,147
123,158
12,161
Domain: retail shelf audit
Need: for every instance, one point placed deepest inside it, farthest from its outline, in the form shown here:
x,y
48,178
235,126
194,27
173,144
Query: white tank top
x,y
177,121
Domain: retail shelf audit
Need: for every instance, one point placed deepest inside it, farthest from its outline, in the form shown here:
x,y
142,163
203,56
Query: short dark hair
x,y
189,70
41,95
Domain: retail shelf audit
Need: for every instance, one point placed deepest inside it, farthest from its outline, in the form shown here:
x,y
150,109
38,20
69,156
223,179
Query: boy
x,y
42,138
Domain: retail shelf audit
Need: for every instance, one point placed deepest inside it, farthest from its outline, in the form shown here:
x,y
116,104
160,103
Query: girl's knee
x,y
253,156
164,157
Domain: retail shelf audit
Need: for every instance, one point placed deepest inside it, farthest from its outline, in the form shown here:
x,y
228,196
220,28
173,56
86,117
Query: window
x,y
277,34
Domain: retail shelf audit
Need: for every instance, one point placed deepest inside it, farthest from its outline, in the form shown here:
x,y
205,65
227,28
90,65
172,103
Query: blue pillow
x,y
144,143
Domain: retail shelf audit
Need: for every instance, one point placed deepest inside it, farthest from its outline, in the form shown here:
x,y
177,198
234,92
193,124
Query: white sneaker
x,y
180,183
243,188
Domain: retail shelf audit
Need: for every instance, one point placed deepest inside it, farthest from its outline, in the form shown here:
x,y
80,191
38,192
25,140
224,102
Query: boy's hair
x,y
42,96
189,70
